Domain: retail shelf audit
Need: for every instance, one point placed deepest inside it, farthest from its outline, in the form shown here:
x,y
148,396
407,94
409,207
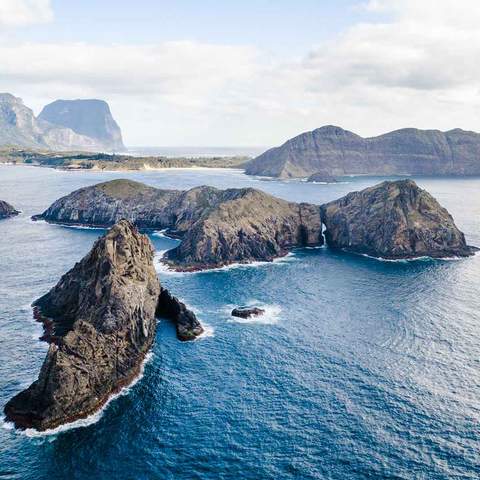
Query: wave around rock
x,y
100,321
393,220
7,210
217,227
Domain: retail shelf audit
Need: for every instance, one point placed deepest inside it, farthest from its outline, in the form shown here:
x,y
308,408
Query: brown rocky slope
x,y
393,220
217,227
100,323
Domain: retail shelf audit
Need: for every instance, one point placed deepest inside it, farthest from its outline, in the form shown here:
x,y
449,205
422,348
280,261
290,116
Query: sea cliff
x,y
337,152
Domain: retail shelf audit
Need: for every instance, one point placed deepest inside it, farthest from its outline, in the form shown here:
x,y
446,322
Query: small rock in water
x,y
247,312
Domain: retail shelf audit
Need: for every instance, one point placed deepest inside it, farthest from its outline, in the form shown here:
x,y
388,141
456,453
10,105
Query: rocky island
x,y
393,220
100,323
7,210
321,177
247,312
220,227
217,227
338,152
186,323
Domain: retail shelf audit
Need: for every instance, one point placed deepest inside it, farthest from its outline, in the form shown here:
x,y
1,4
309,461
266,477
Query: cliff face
x,y
217,227
104,204
185,321
90,118
7,210
20,128
340,152
220,227
393,220
247,225
101,323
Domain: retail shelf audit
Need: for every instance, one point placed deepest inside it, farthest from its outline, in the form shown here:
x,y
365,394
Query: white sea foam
x,y
161,234
423,258
330,183
66,225
83,422
78,227
164,268
208,332
270,317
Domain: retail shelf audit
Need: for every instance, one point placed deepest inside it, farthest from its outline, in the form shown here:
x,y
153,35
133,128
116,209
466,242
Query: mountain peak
x,y
88,117
336,151
9,98
62,125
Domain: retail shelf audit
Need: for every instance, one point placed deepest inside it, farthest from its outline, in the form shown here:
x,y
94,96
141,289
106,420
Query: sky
x,y
249,73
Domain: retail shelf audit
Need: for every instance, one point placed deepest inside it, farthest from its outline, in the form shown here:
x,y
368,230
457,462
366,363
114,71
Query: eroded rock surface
x,y
7,210
217,227
247,312
393,220
101,323
247,226
186,323
104,204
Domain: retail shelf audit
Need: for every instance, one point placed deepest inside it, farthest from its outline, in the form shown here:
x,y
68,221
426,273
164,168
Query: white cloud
x,y
17,13
418,68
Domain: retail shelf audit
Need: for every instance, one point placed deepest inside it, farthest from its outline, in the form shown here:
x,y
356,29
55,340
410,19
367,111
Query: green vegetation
x,y
122,188
104,161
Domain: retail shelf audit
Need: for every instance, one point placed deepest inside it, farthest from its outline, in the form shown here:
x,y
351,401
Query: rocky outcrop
x,y
246,226
217,227
247,312
393,220
340,152
186,323
321,177
89,118
20,128
221,227
102,324
7,210
104,204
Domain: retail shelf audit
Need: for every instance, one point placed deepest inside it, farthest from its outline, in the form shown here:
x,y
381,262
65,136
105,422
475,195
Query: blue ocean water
x,y
360,369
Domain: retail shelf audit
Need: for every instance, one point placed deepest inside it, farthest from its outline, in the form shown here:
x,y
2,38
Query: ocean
x,y
361,369
196,152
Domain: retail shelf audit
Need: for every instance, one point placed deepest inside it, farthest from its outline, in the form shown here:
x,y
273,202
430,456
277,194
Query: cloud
x,y
173,69
18,13
414,64
429,45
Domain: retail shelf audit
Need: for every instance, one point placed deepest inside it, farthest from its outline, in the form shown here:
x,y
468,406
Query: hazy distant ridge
x,y
337,151
63,125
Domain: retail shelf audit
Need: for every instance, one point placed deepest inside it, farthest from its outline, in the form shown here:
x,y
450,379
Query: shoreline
x,y
104,170
92,415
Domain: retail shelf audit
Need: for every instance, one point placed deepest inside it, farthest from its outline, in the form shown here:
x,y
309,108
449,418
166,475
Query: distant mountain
x,y
91,118
20,128
17,124
336,151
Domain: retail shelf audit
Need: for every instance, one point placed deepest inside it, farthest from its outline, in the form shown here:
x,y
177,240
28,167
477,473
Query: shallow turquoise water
x,y
361,369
